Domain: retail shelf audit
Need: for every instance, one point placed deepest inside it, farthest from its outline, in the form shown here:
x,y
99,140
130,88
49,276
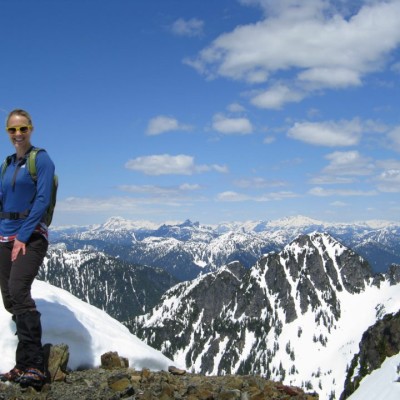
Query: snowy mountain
x,y
189,249
88,331
297,315
122,289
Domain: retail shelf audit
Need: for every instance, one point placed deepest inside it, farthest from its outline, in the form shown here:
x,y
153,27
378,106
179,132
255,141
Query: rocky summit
x,y
112,381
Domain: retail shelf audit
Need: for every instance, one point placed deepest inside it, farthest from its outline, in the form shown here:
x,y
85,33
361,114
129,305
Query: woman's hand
x,y
17,248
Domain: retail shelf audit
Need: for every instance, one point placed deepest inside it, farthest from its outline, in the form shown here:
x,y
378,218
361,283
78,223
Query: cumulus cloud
x,y
350,163
329,133
165,164
276,97
314,43
162,124
231,126
190,27
331,77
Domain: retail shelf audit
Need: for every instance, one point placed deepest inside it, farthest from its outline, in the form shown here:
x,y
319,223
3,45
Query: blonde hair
x,y
21,113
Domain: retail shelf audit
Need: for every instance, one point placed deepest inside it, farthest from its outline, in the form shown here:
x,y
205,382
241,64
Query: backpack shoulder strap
x,y
4,166
31,162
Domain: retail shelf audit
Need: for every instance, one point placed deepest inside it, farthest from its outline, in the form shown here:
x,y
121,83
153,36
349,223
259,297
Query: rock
x,y
111,381
112,360
176,371
58,356
126,383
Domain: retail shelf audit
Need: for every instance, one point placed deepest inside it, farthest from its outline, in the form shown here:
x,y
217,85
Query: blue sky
x,y
227,110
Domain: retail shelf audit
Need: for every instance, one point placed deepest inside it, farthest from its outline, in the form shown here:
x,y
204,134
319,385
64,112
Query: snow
x,y
328,363
381,384
295,221
88,331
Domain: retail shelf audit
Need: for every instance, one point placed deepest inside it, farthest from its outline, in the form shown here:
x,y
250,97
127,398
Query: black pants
x,y
16,280
16,277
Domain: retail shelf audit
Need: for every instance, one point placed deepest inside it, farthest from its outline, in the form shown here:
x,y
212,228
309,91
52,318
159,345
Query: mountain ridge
x,y
188,249
268,319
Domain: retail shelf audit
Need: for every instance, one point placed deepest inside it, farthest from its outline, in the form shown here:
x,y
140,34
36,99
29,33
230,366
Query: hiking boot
x,y
14,375
32,377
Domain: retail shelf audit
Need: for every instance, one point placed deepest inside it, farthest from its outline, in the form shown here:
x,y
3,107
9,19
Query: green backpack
x,y
31,165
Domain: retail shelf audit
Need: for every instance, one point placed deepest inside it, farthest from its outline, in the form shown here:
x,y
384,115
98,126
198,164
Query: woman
x,y
23,246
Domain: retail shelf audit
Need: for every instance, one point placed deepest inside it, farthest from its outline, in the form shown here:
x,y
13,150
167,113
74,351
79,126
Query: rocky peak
x,y
212,316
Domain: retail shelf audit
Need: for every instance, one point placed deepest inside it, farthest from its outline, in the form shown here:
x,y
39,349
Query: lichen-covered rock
x,y
112,360
57,361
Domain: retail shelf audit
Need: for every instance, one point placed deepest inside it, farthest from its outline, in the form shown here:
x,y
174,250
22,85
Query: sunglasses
x,y
22,128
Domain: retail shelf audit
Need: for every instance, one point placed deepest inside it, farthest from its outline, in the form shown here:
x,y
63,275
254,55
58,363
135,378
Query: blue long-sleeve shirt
x,y
25,194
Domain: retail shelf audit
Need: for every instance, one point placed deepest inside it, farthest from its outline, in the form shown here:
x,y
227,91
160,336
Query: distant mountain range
x,y
188,249
288,299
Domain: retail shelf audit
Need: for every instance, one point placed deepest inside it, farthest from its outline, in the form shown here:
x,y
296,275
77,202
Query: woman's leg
x,y
29,330
23,272
5,270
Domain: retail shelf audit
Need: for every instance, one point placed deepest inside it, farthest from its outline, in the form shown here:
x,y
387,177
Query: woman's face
x,y
19,139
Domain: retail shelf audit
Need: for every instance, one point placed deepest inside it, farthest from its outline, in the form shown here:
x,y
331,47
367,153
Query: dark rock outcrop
x,y
378,342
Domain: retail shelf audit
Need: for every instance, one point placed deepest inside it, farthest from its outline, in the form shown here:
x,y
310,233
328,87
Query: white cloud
x,y
231,196
350,163
288,8
331,180
338,204
229,126
223,169
190,27
269,139
235,107
162,124
257,183
388,164
321,192
130,205
329,133
276,97
330,77
159,190
394,138
389,181
310,41
97,205
165,164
